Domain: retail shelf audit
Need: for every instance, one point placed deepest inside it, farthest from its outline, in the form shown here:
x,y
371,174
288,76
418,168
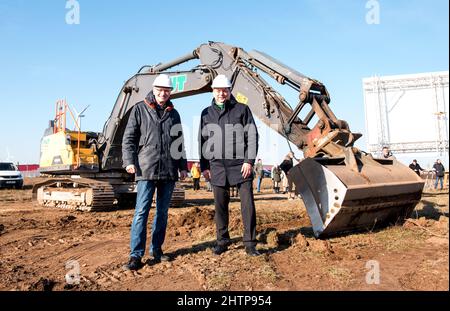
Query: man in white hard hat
x,y
148,152
228,147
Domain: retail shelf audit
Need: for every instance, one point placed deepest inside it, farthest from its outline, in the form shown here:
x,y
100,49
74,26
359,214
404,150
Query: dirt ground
x,y
40,246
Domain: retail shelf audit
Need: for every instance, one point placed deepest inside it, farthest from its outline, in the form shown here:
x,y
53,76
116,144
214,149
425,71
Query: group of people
x,y
438,168
153,150
279,174
281,178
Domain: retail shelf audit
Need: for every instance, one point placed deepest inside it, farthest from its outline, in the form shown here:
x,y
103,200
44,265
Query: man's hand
x,y
246,170
206,174
131,169
183,175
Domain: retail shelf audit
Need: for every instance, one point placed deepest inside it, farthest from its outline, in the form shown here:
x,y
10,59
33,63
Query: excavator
x,y
343,188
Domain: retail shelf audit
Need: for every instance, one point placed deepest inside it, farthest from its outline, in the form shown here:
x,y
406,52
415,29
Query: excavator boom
x,y
344,189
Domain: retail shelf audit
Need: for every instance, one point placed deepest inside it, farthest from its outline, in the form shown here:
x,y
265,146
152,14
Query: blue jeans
x,y
145,192
258,185
441,180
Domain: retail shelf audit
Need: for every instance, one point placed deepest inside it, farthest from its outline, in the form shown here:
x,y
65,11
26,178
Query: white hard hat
x,y
163,80
221,81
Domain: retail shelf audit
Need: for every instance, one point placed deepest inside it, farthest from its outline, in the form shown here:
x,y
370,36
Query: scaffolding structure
x,y
376,90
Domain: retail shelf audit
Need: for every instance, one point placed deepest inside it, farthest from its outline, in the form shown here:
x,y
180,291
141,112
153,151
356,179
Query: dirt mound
x,y
270,237
104,224
27,223
300,241
195,218
433,227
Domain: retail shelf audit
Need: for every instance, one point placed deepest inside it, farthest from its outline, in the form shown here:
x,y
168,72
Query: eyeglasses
x,y
221,91
161,90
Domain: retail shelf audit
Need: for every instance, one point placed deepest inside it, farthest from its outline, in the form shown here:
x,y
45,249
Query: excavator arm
x,y
250,88
344,189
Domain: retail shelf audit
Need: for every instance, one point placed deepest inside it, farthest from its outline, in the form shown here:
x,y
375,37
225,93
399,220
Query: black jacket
x,y
286,165
439,168
228,138
416,168
147,141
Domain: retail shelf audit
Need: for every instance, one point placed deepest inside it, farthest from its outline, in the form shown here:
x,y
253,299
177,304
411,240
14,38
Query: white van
x,y
10,176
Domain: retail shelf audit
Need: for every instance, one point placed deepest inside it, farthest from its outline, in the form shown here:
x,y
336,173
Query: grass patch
x,y
399,238
218,280
268,273
342,275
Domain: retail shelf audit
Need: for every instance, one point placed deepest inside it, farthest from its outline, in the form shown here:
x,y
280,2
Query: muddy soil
x,y
44,249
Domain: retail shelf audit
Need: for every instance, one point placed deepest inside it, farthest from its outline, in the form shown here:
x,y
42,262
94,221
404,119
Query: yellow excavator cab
x,y
64,151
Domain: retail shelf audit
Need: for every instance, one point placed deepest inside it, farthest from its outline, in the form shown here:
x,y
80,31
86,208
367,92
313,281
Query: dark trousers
x,y
221,202
196,183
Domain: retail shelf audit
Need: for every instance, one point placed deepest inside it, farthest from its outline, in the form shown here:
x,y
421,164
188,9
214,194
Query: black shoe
x,y
219,249
134,264
252,251
159,256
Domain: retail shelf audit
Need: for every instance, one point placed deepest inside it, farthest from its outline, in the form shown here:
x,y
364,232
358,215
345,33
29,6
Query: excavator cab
x,y
65,151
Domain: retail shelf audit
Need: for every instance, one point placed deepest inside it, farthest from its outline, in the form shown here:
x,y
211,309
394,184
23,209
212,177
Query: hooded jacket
x,y
228,138
153,141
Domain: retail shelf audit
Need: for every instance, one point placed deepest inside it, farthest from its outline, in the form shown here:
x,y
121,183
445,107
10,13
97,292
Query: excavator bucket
x,y
339,198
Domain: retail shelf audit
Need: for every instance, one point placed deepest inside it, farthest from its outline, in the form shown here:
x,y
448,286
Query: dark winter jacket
x,y
153,141
228,138
439,168
286,165
416,168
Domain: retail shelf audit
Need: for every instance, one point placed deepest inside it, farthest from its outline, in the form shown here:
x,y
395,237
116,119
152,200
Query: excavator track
x,y
75,194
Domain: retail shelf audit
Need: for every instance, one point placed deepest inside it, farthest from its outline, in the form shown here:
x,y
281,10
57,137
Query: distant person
x,y
439,169
259,172
387,154
416,167
208,184
286,166
195,173
276,178
153,168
